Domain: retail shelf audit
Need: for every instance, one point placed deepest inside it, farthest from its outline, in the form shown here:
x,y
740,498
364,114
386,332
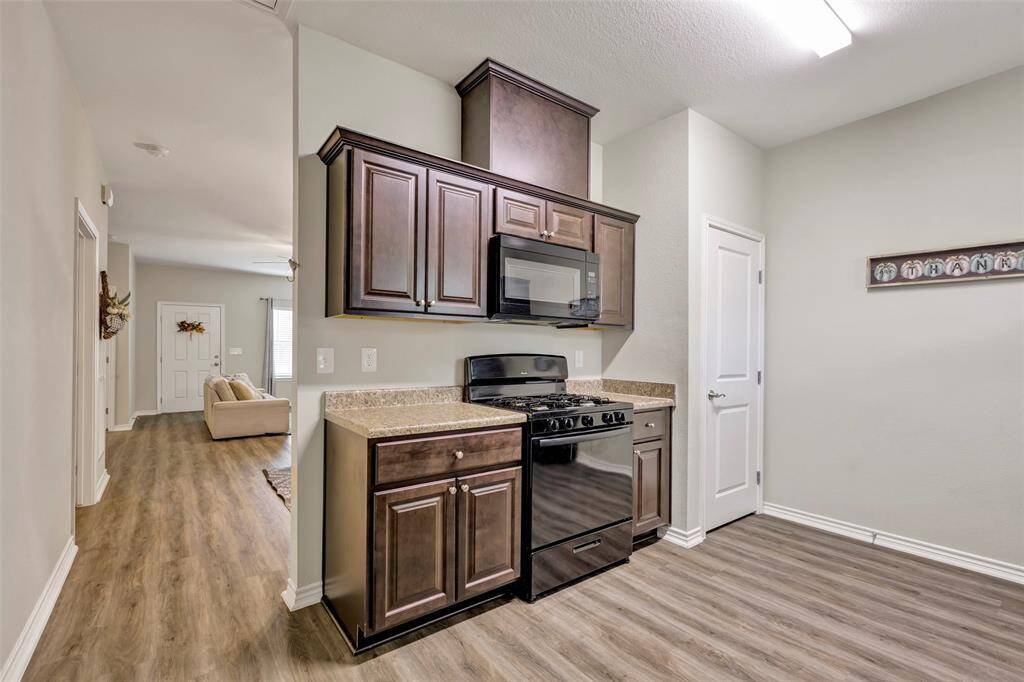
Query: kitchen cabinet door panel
x,y
458,227
614,244
414,552
570,226
519,214
388,233
489,530
650,485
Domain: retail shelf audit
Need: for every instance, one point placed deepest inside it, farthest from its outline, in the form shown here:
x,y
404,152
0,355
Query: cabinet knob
x,y
431,302
459,454
636,452
420,302
465,487
649,425
453,490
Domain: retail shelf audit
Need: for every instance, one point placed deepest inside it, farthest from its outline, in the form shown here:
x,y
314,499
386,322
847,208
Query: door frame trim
x,y
160,341
88,399
698,413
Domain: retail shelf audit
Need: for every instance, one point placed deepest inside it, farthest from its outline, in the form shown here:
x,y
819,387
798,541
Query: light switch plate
x,y
325,361
368,359
579,358
234,351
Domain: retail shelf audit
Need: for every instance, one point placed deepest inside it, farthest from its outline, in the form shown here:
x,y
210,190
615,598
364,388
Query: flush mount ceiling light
x,y
155,150
810,23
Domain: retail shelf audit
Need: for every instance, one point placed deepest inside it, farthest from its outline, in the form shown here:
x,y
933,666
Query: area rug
x,y
281,481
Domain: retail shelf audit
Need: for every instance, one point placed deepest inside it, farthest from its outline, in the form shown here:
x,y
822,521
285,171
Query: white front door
x,y
187,359
732,368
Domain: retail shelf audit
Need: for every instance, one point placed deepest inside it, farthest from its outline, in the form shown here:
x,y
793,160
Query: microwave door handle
x,y
584,437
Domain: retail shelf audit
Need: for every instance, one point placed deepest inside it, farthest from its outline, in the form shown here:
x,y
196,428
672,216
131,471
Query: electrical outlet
x,y
325,361
579,358
368,359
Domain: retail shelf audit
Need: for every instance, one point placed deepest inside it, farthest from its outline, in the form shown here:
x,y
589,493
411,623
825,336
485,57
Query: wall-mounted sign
x,y
967,263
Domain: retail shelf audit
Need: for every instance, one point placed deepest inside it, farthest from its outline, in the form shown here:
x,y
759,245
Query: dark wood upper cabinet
x,y
519,214
524,129
650,485
489,531
570,226
388,233
457,231
614,243
414,552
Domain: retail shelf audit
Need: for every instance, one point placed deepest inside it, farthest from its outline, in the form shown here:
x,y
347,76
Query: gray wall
x,y
646,172
900,409
386,99
245,316
49,158
121,274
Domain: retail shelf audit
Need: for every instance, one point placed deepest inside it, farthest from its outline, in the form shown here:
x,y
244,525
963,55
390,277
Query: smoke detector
x,y
157,151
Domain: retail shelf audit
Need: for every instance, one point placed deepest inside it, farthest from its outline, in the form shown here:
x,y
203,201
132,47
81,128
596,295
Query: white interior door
x,y
732,372
187,359
111,381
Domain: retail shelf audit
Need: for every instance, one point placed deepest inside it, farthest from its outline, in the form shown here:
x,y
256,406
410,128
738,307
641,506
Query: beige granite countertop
x,y
406,420
640,402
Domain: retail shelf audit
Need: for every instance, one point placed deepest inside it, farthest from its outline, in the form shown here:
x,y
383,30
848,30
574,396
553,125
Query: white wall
x,y
900,409
338,83
726,177
121,274
48,159
596,173
245,316
646,172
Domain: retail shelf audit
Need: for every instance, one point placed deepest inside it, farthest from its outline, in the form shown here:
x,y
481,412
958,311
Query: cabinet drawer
x,y
404,460
562,563
653,424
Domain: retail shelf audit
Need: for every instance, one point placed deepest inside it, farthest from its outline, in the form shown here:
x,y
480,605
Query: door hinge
x,y
106,410
760,276
758,377
759,478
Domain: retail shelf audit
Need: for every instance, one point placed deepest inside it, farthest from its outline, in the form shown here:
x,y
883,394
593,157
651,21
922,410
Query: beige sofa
x,y
235,418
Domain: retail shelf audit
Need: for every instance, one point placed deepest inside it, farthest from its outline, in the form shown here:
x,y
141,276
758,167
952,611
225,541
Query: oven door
x,y
579,483
534,281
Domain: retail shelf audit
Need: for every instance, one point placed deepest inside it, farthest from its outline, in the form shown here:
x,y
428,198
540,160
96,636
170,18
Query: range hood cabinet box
x,y
522,128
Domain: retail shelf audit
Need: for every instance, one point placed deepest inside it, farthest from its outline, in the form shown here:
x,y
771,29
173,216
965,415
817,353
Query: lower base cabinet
x,y
398,551
652,480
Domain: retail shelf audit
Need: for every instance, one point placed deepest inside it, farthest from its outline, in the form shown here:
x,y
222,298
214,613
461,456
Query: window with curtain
x,y
282,343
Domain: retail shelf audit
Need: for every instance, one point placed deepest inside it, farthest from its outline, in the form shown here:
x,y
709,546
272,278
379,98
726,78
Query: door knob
x,y
712,394
216,364
453,490
465,487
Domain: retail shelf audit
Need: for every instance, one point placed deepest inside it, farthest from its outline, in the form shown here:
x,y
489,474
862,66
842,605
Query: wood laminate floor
x,y
181,566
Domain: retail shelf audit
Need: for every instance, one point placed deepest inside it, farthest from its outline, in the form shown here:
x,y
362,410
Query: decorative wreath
x,y
114,313
191,327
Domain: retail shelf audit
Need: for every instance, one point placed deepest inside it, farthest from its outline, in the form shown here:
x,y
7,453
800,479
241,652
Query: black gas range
x,y
578,467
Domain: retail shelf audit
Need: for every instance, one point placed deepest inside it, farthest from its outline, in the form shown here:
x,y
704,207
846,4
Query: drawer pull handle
x,y
649,425
586,545
465,487
459,454
453,490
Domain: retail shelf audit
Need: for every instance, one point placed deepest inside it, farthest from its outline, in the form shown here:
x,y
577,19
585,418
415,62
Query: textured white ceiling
x,y
212,81
641,61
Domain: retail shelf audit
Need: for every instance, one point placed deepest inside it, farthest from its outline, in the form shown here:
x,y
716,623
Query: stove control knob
x,y
620,417
553,424
607,417
568,422
587,420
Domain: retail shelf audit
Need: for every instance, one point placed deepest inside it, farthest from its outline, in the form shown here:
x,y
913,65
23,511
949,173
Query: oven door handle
x,y
584,437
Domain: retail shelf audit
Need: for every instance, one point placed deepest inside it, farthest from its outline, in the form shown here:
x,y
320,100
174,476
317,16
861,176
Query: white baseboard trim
x,y
21,654
685,538
927,550
143,413
300,598
101,486
124,427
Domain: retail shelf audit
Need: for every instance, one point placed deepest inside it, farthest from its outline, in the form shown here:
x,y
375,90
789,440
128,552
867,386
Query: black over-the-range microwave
x,y
539,283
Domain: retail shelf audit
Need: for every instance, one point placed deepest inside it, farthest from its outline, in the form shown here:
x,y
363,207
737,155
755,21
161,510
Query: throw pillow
x,y
242,390
223,390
